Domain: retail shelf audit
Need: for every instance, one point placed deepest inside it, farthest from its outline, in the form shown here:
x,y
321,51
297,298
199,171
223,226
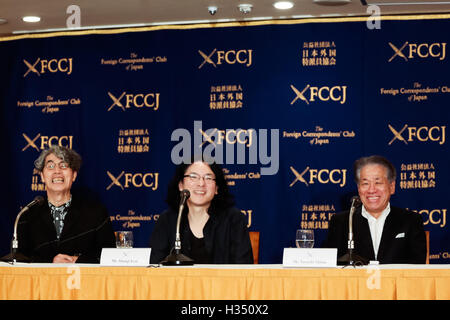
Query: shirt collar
x,y
383,215
61,207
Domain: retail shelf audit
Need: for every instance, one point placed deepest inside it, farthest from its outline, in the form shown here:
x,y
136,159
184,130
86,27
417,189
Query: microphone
x,y
176,258
185,194
349,258
14,255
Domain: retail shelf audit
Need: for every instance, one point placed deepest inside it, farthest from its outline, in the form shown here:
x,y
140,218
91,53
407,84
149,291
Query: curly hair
x,y
70,156
222,200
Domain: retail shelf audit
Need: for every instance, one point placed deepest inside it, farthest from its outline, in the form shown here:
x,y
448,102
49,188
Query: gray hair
x,y
70,156
382,161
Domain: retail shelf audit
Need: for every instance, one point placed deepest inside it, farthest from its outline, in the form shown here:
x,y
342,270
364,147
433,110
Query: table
x,y
224,282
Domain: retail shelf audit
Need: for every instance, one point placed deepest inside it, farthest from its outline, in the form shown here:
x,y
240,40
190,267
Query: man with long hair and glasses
x,y
212,230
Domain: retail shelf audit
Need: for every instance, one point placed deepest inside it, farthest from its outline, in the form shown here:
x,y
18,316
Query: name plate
x,y
125,257
298,257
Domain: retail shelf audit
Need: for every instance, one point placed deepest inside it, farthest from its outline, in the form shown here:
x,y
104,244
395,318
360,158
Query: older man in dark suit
x,y
381,232
64,229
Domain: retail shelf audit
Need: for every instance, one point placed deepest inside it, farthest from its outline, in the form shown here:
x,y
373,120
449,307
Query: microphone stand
x,y
14,255
176,258
351,259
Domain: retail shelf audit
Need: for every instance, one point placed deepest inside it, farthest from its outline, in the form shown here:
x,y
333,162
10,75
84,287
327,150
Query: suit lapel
x,y
47,221
363,239
70,219
389,229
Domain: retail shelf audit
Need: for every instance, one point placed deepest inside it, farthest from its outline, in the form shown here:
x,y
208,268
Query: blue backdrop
x,y
317,95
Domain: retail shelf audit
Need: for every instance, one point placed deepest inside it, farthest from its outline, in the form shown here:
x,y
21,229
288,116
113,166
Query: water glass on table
x,y
124,239
304,238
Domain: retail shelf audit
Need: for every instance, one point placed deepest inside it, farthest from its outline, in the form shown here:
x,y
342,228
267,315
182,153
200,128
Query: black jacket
x,y
402,241
87,229
226,237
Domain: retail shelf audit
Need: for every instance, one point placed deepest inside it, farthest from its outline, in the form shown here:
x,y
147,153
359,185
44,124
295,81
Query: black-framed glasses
x,y
194,177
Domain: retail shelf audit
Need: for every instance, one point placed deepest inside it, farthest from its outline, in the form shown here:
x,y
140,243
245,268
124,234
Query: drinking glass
x,y
304,238
124,239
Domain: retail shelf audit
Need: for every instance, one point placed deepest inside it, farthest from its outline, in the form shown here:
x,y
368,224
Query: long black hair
x,y
222,200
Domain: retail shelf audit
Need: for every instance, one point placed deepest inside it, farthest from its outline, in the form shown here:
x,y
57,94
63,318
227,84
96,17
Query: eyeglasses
x,y
193,177
52,165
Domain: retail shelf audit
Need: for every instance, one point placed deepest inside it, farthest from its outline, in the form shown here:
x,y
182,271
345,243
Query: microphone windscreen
x,y
39,200
185,194
355,200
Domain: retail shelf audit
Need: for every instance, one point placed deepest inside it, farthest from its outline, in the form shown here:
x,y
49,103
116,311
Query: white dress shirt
x,y
376,226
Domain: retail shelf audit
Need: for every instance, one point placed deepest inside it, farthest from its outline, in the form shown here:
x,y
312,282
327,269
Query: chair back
x,y
254,239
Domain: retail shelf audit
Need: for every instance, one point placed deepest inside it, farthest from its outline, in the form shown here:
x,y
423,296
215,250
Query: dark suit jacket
x,y
393,249
226,237
87,229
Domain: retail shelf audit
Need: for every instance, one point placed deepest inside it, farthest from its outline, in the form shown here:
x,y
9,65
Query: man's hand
x,y
64,258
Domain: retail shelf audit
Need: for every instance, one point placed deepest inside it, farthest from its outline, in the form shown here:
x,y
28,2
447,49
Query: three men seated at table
x,y
67,229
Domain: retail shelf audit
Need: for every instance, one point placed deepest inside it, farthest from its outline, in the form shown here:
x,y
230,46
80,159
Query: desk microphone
x,y
176,258
349,258
14,255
